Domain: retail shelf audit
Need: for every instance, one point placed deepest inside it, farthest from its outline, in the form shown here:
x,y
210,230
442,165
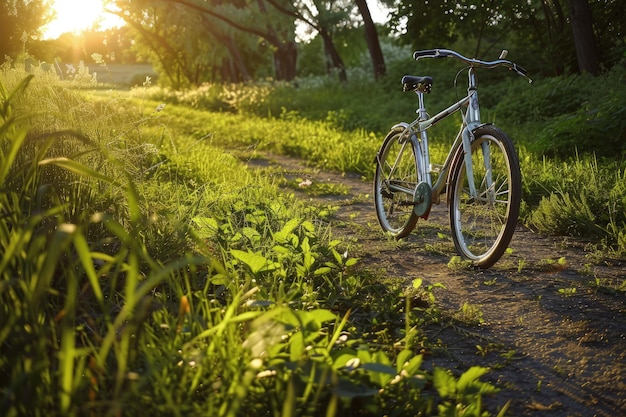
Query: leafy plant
x,y
467,389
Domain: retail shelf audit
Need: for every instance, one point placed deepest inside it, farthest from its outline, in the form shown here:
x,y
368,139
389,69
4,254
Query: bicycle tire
x,y
396,163
483,227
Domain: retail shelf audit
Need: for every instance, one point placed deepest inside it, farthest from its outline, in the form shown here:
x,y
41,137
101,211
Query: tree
x,y
235,25
553,36
584,38
21,20
371,37
323,18
181,44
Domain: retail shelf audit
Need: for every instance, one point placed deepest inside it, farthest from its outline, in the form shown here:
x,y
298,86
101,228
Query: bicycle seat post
x,y
421,111
422,115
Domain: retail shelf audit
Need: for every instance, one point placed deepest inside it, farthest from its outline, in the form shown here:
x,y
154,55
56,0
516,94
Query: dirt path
x,y
552,329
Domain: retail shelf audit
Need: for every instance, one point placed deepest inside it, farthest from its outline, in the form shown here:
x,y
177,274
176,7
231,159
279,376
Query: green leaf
x,y
444,383
469,383
414,365
342,358
308,226
296,347
77,168
86,259
59,242
351,261
469,376
256,262
134,207
251,234
322,316
16,143
380,368
283,235
321,271
402,358
207,226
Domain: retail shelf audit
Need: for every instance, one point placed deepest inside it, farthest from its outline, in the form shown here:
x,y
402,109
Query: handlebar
x,y
446,53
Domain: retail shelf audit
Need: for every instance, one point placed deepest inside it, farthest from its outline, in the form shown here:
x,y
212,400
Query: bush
x,y
587,199
562,116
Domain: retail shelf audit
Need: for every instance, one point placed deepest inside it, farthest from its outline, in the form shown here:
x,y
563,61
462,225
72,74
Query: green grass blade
x,y
78,168
86,259
15,144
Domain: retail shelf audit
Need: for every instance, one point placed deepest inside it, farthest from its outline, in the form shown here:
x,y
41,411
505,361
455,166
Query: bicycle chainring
x,y
422,200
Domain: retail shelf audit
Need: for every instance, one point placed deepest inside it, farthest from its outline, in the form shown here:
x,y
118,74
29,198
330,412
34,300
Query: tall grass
x,y
144,271
585,199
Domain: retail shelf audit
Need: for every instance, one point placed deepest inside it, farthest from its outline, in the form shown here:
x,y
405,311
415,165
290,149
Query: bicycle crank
x,y
422,200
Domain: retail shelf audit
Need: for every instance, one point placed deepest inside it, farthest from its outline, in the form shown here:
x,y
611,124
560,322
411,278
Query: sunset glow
x,y
75,16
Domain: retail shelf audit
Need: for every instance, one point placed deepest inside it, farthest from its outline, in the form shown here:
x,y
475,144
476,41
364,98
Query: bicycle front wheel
x,y
395,181
483,222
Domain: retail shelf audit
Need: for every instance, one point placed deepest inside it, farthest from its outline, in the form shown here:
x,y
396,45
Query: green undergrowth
x,y
569,132
580,196
587,199
144,270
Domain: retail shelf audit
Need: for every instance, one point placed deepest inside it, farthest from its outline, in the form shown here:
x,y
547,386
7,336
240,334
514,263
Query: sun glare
x,y
76,16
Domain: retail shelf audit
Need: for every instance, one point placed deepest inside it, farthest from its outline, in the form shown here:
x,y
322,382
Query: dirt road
x,y
548,318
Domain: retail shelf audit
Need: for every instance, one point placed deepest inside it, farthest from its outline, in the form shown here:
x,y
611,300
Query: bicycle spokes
x,y
395,183
483,221
480,175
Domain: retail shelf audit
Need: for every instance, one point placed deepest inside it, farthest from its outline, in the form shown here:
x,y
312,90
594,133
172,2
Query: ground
x,y
549,319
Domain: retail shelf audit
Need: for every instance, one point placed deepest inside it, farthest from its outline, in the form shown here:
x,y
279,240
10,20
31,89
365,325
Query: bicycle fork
x,y
468,137
472,121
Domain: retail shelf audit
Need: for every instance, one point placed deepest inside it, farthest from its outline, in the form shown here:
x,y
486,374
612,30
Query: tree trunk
x,y
371,37
285,51
333,54
329,47
285,59
584,39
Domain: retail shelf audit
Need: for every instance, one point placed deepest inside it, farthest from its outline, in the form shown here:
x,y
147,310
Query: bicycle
x,y
480,176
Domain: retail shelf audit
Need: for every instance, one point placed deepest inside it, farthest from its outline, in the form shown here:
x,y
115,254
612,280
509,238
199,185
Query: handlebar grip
x,y
429,53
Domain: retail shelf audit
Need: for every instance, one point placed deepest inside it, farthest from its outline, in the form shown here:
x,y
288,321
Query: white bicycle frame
x,y
471,121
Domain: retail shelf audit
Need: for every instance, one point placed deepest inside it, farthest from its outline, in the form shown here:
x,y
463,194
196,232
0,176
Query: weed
x,y
609,285
457,263
567,292
470,314
491,281
551,265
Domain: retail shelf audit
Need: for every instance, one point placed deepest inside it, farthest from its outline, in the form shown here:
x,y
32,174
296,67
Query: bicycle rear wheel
x,y
483,224
395,181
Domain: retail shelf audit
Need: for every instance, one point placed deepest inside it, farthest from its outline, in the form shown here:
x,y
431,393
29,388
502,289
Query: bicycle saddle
x,y
413,83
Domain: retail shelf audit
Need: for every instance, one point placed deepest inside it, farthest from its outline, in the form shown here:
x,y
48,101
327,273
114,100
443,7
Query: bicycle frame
x,y
480,175
471,121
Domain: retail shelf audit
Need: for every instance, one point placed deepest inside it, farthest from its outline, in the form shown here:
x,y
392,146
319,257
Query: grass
x,y
145,271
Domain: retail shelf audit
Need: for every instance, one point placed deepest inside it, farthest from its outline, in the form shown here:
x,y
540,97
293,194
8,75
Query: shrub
x,y
586,200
